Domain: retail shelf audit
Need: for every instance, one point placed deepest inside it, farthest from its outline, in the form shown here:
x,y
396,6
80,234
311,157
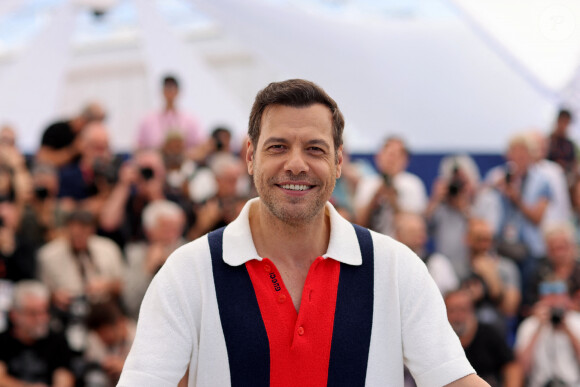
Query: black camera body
x,y
556,316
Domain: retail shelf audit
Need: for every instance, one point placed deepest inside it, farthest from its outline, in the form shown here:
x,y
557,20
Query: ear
x,y
250,157
339,159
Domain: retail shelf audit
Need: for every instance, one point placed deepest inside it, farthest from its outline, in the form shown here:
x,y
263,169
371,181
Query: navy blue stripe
x,y
242,324
353,318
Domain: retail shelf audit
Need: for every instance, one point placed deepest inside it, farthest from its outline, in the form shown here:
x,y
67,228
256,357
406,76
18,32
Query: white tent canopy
x,y
447,75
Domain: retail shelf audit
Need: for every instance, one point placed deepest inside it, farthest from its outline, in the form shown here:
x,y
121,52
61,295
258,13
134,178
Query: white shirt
x,y
179,323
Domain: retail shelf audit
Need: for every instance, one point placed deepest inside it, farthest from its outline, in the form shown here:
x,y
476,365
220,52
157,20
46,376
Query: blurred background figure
x,y
43,214
17,258
157,126
561,149
60,141
110,339
559,209
141,181
90,180
548,342
380,197
494,281
30,354
80,268
411,230
524,194
484,347
220,205
450,207
560,264
164,223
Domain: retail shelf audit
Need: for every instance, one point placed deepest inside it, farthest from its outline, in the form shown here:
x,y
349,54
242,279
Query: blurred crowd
x,y
83,232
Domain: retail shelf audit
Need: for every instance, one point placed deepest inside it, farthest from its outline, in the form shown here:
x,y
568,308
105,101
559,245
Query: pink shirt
x,y
156,126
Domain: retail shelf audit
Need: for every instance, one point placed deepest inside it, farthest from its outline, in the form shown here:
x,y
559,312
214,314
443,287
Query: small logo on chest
x,y
275,282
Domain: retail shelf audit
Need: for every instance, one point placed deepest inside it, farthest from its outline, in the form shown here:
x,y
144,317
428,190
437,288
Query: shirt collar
x,y
238,245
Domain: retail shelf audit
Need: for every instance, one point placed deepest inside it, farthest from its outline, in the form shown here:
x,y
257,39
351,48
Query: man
x,y
524,195
452,203
311,313
561,263
163,223
94,174
109,341
59,145
141,181
485,348
379,198
158,125
561,149
411,230
494,282
548,342
31,355
559,209
80,263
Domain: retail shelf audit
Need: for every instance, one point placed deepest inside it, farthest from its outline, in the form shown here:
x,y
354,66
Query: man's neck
x,y
289,245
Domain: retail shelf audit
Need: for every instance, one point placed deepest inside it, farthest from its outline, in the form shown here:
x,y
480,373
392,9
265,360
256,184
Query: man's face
x,y
392,158
79,234
31,319
459,312
520,156
560,249
294,162
413,233
112,334
170,92
480,238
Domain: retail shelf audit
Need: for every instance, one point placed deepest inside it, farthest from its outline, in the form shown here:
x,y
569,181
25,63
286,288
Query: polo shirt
x,y
181,324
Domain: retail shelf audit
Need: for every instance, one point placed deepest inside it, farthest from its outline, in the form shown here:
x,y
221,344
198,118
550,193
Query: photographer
x,y
90,180
141,181
450,207
548,342
379,198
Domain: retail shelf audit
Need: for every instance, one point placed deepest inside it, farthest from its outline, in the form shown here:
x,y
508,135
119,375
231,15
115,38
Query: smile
x,y
296,187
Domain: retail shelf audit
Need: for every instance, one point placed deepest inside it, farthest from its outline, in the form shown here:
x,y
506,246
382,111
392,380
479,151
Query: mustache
x,y
289,177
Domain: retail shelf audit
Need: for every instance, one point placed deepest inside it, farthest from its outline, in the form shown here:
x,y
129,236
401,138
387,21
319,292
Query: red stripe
x,y
299,342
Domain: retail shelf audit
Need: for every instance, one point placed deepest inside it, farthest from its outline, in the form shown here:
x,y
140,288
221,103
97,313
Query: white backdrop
x,y
445,84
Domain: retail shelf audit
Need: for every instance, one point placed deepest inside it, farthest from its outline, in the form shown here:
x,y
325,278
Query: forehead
x,y
282,119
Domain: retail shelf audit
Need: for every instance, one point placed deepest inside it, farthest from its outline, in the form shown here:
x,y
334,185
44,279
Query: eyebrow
x,y
282,140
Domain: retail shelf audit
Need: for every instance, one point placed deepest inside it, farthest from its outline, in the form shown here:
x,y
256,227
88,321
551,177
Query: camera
x,y
556,316
41,193
147,173
456,184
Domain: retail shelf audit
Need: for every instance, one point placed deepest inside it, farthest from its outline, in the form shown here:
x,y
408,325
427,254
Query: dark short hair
x,y
294,93
395,138
170,80
565,113
83,217
103,314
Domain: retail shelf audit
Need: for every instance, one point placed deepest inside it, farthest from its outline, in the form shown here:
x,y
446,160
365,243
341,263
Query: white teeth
x,y
295,187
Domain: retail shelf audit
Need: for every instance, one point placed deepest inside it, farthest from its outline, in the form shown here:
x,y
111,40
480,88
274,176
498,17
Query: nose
x,y
296,162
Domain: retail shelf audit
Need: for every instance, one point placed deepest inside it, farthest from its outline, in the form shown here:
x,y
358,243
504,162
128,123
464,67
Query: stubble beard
x,y
291,216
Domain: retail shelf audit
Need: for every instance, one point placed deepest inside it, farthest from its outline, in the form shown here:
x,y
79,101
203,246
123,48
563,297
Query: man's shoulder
x,y
54,250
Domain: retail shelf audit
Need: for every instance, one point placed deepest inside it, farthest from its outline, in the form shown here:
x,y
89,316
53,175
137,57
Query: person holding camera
x,y
141,181
450,207
379,198
91,179
561,264
548,342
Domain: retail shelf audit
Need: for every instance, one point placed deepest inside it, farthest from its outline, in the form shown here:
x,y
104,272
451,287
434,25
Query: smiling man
x,y
290,293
